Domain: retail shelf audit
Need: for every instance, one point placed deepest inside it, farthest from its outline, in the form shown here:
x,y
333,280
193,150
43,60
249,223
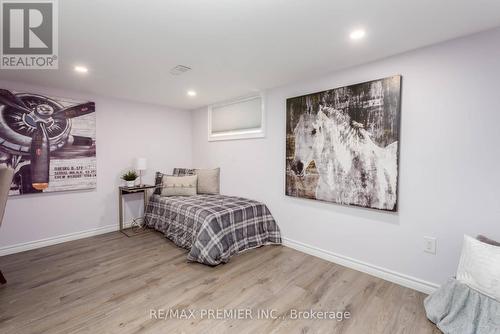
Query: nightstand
x,y
131,190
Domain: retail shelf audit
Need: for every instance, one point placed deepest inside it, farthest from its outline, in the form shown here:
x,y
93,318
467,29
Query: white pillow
x,y
208,181
479,267
179,185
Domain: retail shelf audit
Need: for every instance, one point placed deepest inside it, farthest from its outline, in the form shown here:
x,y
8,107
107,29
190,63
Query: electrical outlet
x,y
430,245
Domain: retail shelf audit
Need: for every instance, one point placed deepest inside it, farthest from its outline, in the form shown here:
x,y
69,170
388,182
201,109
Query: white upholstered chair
x,y
6,175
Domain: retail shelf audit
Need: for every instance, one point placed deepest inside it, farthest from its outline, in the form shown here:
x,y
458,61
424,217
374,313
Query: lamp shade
x,y
141,164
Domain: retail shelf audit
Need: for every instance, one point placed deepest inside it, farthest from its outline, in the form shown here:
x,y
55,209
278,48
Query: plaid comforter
x,y
212,227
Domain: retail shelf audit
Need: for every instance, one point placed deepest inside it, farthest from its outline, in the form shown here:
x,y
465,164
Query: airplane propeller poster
x,y
49,142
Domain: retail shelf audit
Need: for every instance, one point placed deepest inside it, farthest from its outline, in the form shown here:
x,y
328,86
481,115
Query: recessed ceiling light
x,y
191,93
81,69
357,34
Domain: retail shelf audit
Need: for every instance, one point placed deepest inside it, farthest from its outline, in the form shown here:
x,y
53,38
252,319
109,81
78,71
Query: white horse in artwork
x,y
352,168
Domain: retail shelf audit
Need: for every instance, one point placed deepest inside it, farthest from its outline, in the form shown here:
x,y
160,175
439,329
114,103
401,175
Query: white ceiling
x,y
236,47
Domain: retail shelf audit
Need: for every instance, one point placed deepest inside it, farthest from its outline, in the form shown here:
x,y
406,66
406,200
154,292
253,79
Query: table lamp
x,y
140,165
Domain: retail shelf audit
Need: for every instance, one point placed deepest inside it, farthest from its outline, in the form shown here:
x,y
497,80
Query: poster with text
x,y
50,142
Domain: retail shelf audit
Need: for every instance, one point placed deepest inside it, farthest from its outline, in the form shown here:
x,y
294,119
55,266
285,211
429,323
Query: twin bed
x,y
212,227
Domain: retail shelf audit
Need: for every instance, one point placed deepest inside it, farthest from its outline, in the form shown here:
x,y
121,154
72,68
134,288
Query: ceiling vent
x,y
179,69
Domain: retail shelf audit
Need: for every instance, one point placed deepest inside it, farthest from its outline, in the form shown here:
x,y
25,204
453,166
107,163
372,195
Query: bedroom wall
x,y
125,130
449,164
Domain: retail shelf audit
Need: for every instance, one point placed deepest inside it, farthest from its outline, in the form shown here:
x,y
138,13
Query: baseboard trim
x,y
25,246
386,274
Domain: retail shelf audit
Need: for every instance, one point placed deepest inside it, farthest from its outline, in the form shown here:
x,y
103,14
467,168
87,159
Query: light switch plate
x,y
430,245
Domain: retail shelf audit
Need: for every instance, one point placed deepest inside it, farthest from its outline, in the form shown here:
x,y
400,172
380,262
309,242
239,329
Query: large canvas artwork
x,y
342,145
49,142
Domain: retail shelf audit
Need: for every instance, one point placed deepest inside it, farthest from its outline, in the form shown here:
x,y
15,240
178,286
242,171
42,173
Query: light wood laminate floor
x,y
110,283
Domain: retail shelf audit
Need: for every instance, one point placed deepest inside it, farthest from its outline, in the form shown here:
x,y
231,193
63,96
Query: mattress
x,y
212,227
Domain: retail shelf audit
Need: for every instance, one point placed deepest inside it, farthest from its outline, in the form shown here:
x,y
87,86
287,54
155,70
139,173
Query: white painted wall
x,y
125,130
449,167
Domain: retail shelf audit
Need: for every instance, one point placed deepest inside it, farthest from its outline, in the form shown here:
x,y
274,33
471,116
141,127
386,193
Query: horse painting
x,y
334,157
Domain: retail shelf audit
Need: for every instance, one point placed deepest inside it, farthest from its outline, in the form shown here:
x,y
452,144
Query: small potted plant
x,y
130,177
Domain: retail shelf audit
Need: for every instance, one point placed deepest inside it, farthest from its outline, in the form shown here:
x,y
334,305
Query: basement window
x,y
241,118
